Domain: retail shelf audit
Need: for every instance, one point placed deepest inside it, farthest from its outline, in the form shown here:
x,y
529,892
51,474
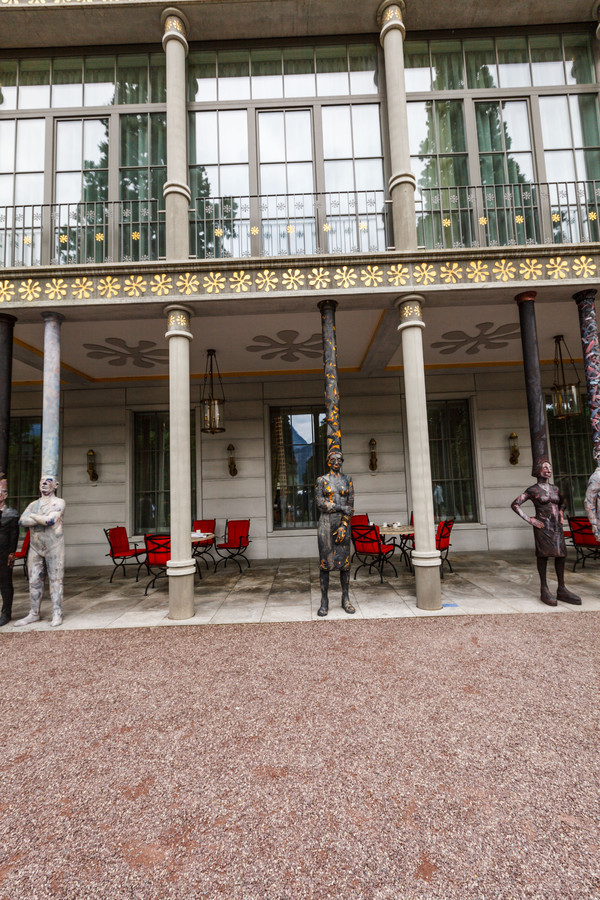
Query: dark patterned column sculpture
x,y
334,492
533,377
7,324
588,325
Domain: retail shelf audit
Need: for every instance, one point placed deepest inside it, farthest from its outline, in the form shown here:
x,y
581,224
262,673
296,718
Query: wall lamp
x,y
373,455
513,444
232,466
91,465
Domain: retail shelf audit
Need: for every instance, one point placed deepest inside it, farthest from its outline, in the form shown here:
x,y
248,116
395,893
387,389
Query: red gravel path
x,y
384,760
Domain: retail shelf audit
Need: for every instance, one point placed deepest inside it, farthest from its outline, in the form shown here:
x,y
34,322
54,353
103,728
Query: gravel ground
x,y
384,760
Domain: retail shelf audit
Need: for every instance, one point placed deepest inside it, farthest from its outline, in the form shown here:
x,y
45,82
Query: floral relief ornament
x,y
7,291
109,287
30,289
504,270
530,269
240,281
214,282
477,271
584,266
292,279
397,275
424,273
451,273
345,277
56,289
135,286
266,280
187,284
557,268
319,278
371,276
82,288
161,284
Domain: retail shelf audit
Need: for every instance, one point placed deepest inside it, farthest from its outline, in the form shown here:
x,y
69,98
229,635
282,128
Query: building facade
x,y
179,179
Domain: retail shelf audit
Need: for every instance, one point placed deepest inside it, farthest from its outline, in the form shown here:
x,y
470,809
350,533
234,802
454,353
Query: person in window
x,y
9,538
334,494
547,531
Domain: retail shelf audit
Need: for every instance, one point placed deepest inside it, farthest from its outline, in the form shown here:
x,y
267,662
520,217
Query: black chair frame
x,y
580,526
122,561
155,542
378,558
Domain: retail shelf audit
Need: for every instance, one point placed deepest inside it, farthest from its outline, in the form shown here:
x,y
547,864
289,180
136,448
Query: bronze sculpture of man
x,y
9,538
547,531
335,502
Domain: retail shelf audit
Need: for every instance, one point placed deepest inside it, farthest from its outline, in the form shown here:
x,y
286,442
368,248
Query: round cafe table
x,y
401,535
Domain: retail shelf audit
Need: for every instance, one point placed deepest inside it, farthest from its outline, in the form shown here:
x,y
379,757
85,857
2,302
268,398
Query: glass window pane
x,y
337,132
579,59
132,79
234,75
267,80
7,145
300,178
8,80
451,126
489,126
299,72
447,65
158,78
363,68
6,190
513,62
421,133
339,176
520,167
480,57
68,187
99,86
235,181
369,174
95,143
556,128
158,139
332,71
67,82
417,74
366,129
271,137
69,145
588,164
546,59
34,84
560,165
134,140
453,171
233,136
204,145
95,185
273,179
516,125
584,118
298,135
134,184
30,145
29,189
202,76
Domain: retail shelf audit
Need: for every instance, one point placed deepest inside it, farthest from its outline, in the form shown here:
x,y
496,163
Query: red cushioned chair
x,y
584,540
235,543
201,549
158,553
370,549
121,552
442,542
359,519
21,555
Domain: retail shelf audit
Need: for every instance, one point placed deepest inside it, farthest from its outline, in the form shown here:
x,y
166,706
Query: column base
x,y
428,587
181,590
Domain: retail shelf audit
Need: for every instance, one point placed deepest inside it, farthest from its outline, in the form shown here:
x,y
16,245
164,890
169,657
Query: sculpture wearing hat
x,y
9,538
44,518
334,494
548,531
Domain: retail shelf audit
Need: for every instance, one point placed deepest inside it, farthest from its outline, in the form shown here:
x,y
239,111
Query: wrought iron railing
x,y
90,232
508,214
290,224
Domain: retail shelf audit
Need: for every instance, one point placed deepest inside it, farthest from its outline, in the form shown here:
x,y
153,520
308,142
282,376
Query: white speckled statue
x,y
44,518
592,502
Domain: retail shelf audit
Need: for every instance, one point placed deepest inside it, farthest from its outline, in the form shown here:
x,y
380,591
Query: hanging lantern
x,y
565,395
212,404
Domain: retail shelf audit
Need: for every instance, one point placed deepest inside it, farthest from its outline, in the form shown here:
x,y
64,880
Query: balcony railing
x,y
290,224
508,214
91,232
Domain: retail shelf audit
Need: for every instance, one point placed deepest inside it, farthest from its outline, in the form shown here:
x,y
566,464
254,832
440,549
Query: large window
x,y
151,472
24,460
298,448
452,464
571,445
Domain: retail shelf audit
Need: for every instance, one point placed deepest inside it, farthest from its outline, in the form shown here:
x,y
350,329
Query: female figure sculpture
x,y
547,531
335,502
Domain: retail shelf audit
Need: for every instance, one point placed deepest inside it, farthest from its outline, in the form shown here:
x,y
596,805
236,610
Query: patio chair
x,y
21,555
359,519
235,543
370,550
121,552
201,549
442,542
584,540
158,553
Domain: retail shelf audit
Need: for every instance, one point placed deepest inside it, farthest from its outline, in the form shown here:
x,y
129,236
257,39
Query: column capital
x,y
175,25
410,309
587,295
525,297
391,15
7,319
178,321
327,304
177,187
48,315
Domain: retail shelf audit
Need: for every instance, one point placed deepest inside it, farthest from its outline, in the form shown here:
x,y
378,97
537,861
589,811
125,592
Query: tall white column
x,y
402,181
425,556
176,190
181,567
51,394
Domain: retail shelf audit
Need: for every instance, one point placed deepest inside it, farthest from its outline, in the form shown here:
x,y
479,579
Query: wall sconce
x,y
232,466
91,465
212,401
513,443
373,455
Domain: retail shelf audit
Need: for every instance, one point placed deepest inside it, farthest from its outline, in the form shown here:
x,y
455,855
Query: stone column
x,y
533,378
7,324
51,394
176,189
586,306
181,567
332,395
425,556
402,181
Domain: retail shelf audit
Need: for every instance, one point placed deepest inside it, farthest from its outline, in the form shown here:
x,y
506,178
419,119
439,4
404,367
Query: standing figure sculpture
x,y
592,502
44,518
9,538
547,531
335,502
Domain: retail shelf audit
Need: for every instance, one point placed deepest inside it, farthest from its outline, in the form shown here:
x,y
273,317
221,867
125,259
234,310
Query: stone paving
x,y
287,590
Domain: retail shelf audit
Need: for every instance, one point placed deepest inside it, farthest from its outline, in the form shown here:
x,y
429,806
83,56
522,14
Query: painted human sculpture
x,y
592,502
44,518
335,502
547,531
9,538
